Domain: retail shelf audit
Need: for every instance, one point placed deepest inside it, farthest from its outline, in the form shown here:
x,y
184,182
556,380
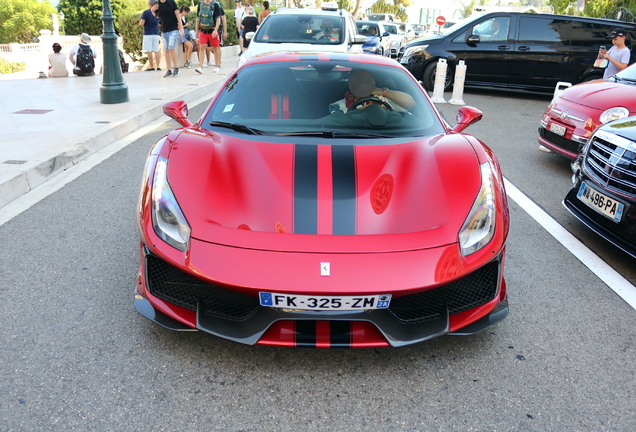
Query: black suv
x,y
516,50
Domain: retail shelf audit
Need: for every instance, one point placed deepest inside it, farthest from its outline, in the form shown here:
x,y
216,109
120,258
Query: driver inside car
x,y
327,31
362,88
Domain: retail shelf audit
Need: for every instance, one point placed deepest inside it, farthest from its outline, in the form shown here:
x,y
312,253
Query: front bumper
x,y
180,301
621,234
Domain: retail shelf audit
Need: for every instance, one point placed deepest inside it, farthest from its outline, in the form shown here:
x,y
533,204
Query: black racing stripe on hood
x,y
344,190
306,189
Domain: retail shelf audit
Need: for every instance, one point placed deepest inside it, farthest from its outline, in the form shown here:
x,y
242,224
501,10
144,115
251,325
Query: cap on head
x,y
618,32
85,38
361,83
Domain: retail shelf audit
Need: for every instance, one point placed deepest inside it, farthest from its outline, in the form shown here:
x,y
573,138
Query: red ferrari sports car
x,y
322,201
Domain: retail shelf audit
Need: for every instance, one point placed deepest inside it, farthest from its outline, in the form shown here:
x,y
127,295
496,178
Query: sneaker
x,y
175,72
210,64
199,70
204,64
158,69
149,70
169,73
187,65
215,69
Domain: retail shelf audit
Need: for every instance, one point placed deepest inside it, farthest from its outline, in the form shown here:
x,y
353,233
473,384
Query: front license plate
x,y
603,204
345,303
557,129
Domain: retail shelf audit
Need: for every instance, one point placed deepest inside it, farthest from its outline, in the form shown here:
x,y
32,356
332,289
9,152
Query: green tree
x,y
562,6
381,6
85,16
22,20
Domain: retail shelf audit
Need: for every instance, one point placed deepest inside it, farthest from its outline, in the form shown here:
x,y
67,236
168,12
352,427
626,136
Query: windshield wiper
x,y
334,134
238,127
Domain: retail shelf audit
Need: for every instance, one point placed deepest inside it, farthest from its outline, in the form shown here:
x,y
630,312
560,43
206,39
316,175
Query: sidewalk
x,y
48,125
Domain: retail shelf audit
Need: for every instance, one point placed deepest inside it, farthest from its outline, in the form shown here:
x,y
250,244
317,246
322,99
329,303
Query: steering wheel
x,y
369,99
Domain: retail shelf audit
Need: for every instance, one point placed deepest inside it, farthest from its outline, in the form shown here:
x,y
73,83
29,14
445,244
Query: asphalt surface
x,y
76,355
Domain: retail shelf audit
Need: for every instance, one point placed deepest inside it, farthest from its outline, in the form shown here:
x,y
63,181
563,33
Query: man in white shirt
x,y
83,57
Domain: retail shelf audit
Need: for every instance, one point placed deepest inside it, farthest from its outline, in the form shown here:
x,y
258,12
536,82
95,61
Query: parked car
x,y
604,193
396,37
292,214
575,112
388,17
378,39
419,29
302,30
527,52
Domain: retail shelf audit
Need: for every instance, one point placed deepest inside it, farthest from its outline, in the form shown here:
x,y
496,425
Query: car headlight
x,y
613,114
168,220
479,226
419,49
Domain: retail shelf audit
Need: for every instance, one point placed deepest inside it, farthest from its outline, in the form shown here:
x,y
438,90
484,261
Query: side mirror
x,y
473,40
249,36
466,116
177,110
359,39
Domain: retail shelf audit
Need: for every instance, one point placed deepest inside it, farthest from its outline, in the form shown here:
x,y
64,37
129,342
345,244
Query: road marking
x,y
589,259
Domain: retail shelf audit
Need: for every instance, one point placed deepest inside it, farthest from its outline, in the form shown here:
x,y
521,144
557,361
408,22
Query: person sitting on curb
x,y
57,60
83,57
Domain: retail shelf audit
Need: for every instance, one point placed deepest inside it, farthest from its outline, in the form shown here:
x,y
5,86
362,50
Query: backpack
x,y
85,61
206,16
122,62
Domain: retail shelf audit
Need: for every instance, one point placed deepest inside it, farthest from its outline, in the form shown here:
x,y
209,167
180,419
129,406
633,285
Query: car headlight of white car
x,y
479,227
612,114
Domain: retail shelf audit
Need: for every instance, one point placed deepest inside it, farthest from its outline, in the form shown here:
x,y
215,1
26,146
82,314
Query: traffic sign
x,y
440,20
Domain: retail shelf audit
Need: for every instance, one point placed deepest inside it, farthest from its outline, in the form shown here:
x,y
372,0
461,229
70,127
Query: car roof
x,y
288,11
286,56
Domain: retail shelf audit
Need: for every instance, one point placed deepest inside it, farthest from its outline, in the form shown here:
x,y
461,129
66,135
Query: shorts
x,y
150,43
186,37
207,39
170,39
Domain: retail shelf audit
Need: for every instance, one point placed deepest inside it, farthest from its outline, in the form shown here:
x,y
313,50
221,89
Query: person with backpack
x,y
210,14
171,29
83,57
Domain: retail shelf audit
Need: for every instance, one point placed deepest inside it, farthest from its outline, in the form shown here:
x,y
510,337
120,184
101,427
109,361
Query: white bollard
x,y
560,86
440,78
458,86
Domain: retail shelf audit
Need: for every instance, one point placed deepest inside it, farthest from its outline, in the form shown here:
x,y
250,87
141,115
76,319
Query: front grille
x,y
612,165
559,141
471,291
172,285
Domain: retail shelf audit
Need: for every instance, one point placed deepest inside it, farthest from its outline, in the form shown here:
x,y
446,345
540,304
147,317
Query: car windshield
x,y
301,29
391,28
367,29
628,74
313,98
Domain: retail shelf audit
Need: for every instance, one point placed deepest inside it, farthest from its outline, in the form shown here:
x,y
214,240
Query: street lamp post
x,y
113,89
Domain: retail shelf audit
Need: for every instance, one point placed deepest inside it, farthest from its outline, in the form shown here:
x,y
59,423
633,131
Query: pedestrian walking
x,y
150,45
171,29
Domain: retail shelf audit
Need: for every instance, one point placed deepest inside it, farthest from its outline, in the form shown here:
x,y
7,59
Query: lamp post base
x,y
113,94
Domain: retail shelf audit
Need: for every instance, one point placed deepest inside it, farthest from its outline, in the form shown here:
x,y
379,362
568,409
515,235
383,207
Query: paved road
x,y
76,356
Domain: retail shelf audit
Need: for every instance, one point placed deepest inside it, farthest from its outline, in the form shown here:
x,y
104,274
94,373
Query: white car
x,y
305,30
396,36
